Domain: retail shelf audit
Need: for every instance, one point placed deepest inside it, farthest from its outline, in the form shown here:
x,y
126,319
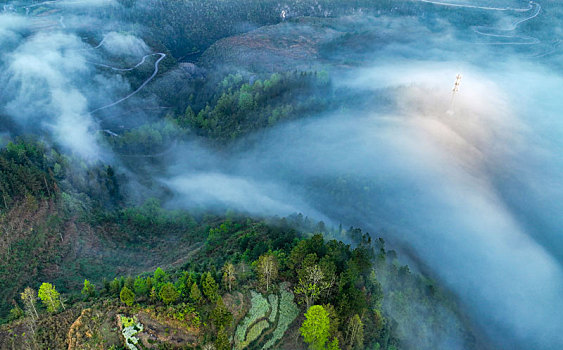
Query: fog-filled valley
x,y
189,135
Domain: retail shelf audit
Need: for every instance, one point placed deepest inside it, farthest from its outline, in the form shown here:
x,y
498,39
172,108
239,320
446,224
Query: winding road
x,y
477,7
162,56
100,44
124,69
527,40
489,31
143,60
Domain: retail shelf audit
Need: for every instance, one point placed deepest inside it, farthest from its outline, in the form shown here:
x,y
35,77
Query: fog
x,y
472,187
474,193
468,184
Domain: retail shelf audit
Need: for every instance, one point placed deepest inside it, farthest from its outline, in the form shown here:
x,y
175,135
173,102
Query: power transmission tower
x,y
455,89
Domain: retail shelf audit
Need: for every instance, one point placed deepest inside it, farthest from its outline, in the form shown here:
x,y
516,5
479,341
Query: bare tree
x,y
229,276
267,269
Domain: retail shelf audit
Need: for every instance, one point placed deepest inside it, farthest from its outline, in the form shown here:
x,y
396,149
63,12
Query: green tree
x,y
160,277
15,313
184,284
333,345
140,287
267,268
114,287
334,320
89,290
210,287
153,295
127,296
245,101
129,283
311,284
221,316
195,294
222,340
315,328
168,293
50,297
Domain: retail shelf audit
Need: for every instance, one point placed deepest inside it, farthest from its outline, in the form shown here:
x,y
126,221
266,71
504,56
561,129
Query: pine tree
x,y
153,295
114,287
221,316
222,341
168,293
140,287
195,294
210,287
160,277
333,345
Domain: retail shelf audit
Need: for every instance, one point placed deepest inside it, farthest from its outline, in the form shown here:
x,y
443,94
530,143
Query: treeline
x,y
240,107
40,191
361,297
30,168
178,24
26,170
329,274
235,106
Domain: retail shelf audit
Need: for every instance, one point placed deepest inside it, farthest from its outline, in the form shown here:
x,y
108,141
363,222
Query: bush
x,y
127,296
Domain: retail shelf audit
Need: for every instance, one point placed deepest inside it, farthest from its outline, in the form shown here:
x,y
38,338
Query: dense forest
x,y
242,282
260,174
89,262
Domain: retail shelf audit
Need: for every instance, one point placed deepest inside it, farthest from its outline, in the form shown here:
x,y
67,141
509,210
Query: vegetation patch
x,y
260,307
255,332
130,327
273,300
288,313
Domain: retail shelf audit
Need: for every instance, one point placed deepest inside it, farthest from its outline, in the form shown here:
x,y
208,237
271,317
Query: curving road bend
x,y
125,69
526,40
481,30
479,7
162,56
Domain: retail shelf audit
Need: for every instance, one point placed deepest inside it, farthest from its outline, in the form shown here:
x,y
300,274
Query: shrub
x,y
127,296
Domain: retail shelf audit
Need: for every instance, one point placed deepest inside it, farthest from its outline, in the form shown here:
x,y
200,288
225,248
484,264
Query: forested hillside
x,y
217,279
265,174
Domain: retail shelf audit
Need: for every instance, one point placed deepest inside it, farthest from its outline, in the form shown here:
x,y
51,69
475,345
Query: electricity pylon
x,y
455,89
